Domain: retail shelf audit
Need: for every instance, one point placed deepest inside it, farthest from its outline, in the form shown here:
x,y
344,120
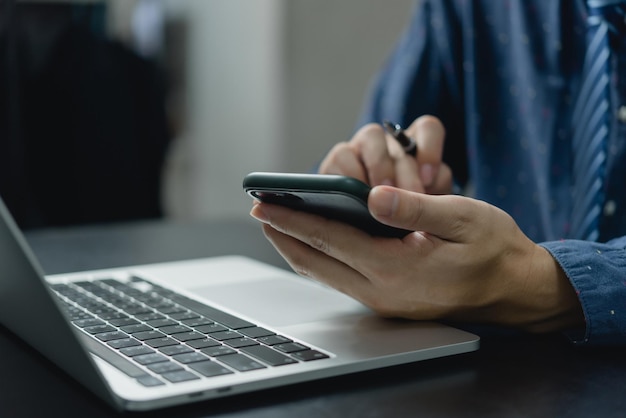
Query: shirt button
x,y
621,114
609,208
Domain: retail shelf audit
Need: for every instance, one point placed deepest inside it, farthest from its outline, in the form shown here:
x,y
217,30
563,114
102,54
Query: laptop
x,y
153,336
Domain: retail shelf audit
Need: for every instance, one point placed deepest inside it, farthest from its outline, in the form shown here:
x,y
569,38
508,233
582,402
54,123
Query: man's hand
x,y
376,158
468,261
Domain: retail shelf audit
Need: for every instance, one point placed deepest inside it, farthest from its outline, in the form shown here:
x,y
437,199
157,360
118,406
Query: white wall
x,y
334,49
234,105
271,85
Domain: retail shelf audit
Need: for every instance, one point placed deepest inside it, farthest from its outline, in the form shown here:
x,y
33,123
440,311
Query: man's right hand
x,y
376,158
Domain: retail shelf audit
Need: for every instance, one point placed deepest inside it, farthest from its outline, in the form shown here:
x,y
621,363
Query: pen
x,y
408,144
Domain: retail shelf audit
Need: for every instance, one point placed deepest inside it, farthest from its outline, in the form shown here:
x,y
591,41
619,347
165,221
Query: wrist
x,y
553,304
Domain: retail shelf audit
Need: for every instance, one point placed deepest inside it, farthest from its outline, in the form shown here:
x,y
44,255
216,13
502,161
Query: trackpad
x,y
279,302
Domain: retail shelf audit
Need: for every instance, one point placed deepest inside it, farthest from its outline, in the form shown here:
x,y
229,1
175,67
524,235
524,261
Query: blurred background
x,y
129,109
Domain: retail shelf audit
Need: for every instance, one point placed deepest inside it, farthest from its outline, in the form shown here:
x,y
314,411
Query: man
x,y
511,91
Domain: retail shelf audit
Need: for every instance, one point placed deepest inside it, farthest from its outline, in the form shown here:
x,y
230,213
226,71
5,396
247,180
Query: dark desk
x,y
511,375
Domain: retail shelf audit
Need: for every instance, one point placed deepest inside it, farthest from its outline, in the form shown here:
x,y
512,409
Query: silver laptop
x,y
158,335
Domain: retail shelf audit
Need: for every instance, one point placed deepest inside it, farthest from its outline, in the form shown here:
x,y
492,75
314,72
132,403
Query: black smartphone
x,y
335,197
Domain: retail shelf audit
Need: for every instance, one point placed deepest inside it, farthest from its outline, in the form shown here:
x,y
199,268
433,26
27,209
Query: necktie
x,y
591,119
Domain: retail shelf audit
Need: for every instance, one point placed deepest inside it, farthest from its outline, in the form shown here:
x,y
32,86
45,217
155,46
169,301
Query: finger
x,y
443,181
343,160
370,144
429,135
309,262
406,173
449,217
336,239
301,240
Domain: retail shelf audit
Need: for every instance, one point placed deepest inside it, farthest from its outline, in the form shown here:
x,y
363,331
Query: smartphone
x,y
335,197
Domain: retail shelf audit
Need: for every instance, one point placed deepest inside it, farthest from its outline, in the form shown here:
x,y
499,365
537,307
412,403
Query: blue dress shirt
x,y
503,75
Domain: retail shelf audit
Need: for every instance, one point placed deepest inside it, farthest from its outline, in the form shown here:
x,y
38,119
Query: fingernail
x,y
384,202
259,214
426,174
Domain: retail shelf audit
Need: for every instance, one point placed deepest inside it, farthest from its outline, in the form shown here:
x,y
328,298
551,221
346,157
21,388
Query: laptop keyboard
x,y
156,335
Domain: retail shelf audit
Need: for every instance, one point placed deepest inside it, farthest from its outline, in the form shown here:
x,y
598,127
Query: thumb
x,y
442,216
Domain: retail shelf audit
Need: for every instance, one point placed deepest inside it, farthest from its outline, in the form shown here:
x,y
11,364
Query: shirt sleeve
x,y
598,273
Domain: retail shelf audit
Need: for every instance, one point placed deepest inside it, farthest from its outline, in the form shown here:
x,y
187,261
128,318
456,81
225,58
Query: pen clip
x,y
408,144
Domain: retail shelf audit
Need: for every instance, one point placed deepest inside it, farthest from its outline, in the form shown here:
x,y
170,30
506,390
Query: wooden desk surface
x,y
512,375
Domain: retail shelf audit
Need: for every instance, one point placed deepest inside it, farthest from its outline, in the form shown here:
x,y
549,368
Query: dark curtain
x,y
83,127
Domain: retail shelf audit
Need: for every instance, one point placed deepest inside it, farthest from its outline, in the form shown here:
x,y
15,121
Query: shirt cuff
x,y
598,274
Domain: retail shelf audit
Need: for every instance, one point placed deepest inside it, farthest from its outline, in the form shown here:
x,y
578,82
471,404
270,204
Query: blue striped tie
x,y
591,119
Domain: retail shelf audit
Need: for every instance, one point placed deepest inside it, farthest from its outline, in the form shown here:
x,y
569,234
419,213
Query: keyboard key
x,y
255,332
161,342
190,357
120,322
124,342
218,351
76,314
308,355
241,362
114,316
149,381
150,358
131,329
290,347
204,343
145,298
211,328
188,336
108,314
195,322
240,342
97,329
184,315
85,284
163,322
148,335
110,336
169,309
165,367
114,283
269,356
150,316
89,322
210,368
225,335
137,310
136,350
180,376
274,339
174,329
171,350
